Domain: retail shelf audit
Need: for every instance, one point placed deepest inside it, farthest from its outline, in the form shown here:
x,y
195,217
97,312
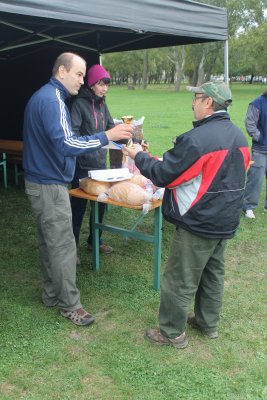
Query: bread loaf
x,y
128,193
139,180
93,187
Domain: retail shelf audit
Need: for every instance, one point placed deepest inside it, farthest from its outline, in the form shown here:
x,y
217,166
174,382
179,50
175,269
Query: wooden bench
x,y
16,160
12,151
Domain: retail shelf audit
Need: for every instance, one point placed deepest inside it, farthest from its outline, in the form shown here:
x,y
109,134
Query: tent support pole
x,y
226,65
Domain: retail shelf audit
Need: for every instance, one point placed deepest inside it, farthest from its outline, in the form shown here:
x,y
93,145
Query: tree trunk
x,y
145,69
251,78
179,67
212,61
200,77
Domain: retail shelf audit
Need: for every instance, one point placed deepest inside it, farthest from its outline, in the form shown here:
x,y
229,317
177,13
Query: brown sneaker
x,y
191,320
103,248
78,317
156,337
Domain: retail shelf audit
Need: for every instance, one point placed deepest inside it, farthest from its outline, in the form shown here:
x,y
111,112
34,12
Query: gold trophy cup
x,y
127,119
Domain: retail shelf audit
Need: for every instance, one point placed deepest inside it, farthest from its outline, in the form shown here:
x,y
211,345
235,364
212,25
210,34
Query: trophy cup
x,y
127,119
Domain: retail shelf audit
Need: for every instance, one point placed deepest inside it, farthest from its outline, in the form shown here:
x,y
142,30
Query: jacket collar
x,y
56,83
217,115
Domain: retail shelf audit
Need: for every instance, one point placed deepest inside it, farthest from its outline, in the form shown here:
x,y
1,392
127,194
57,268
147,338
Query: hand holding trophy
x,y
127,119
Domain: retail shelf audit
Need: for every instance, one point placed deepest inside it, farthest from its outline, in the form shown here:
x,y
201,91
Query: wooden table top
x,y
80,193
11,146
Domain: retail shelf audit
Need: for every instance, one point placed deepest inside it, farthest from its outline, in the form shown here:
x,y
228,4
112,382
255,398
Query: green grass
x,y
44,356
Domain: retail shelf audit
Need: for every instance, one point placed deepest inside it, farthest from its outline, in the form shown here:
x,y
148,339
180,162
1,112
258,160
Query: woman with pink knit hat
x,y
90,115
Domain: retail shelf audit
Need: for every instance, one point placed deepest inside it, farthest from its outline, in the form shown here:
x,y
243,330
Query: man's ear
x,y
209,102
61,71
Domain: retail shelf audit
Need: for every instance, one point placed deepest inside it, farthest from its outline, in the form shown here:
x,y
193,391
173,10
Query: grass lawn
x,y
44,356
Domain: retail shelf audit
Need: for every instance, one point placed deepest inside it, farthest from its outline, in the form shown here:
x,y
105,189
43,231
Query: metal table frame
x,y
154,238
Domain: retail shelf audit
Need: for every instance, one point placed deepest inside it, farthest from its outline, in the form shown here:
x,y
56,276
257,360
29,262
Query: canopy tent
x,y
33,33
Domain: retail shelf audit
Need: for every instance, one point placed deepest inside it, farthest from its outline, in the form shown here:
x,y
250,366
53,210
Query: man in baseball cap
x,y
219,91
204,176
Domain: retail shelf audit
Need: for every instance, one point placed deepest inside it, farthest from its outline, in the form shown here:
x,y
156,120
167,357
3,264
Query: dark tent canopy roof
x,y
34,32
106,26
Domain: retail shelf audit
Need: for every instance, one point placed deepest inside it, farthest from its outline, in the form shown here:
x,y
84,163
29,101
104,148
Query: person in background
x,y
204,179
50,148
90,115
256,125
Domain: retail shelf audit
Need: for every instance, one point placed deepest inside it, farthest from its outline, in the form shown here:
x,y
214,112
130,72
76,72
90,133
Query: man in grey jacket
x,y
256,124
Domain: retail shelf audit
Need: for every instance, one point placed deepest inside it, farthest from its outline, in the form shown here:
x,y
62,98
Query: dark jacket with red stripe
x,y
90,115
204,176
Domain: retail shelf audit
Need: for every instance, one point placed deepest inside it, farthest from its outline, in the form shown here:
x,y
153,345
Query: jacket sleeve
x,y
61,134
252,118
175,163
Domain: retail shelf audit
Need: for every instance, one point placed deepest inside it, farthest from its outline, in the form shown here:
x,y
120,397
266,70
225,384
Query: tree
x,y
177,57
198,62
145,70
243,15
248,53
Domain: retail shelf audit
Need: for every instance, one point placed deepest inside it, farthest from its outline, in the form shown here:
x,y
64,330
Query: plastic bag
x,y
138,133
117,159
158,194
127,162
130,193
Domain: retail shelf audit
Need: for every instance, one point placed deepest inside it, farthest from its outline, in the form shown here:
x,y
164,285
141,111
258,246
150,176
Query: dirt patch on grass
x,y
8,389
101,386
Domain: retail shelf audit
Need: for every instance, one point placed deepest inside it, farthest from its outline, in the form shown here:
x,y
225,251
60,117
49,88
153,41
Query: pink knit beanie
x,y
96,73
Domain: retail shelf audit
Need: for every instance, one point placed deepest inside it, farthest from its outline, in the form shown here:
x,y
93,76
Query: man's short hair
x,y
65,59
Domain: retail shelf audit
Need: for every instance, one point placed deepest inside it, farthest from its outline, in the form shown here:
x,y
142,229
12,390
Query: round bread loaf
x,y
128,193
93,187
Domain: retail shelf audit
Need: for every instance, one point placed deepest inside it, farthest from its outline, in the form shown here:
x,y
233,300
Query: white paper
x,y
110,175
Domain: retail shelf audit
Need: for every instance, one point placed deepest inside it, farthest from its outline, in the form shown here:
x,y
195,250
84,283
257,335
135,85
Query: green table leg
x,y
156,238
95,235
157,247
